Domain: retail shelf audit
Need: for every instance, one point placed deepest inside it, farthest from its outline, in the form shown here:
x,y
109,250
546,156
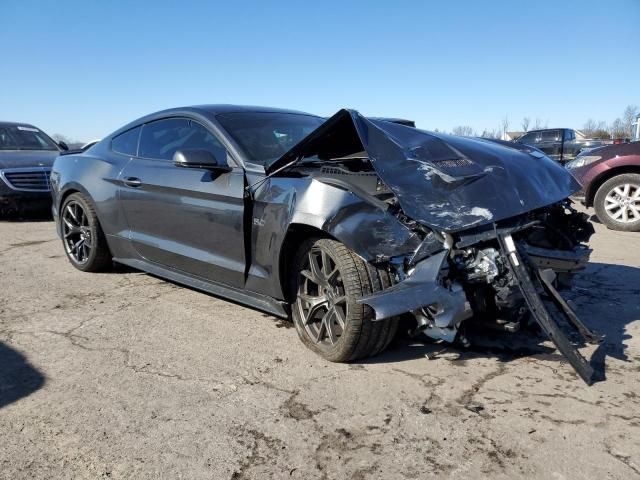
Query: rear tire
x,y
82,237
325,312
617,202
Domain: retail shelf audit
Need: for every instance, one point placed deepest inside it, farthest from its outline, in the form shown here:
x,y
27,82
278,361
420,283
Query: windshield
x,y
18,137
265,136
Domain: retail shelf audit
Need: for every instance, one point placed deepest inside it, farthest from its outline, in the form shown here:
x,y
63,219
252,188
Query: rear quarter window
x,y
127,142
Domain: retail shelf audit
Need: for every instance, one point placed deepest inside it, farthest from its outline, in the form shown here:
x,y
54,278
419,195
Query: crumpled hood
x,y
27,158
445,182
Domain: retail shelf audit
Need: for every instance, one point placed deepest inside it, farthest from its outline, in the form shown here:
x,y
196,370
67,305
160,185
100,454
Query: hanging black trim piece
x,y
547,277
529,286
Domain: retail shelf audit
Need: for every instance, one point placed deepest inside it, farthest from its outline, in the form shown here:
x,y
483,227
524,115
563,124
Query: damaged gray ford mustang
x,y
344,223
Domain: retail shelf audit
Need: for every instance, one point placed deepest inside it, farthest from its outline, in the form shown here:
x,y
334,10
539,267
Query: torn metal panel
x,y
420,289
445,182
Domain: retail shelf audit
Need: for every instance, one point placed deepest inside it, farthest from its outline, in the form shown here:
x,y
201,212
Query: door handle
x,y
132,182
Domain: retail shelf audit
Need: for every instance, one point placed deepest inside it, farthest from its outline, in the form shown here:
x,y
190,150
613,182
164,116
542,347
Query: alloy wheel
x,y
76,232
321,300
622,203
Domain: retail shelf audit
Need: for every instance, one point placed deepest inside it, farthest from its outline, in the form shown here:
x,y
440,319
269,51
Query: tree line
x,y
621,127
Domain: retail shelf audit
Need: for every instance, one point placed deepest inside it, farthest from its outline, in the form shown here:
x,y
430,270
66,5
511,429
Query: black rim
x,y
321,302
76,232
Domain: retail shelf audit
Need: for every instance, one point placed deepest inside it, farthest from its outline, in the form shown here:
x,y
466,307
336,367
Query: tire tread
x,y
363,337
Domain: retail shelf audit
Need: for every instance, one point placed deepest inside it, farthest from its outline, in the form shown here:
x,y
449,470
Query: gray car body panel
x,y
282,202
501,180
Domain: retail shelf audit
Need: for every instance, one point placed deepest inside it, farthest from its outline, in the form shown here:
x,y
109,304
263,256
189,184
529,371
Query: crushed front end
x,y
494,238
501,275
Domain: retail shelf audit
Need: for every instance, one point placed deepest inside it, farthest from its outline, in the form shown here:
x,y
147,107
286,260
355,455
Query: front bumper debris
x,y
448,305
532,280
441,306
561,261
420,289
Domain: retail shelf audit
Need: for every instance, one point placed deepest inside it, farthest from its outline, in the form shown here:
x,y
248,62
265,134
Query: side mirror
x,y
63,146
197,158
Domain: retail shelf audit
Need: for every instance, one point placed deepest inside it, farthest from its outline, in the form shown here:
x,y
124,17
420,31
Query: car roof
x,y
15,124
209,111
545,129
217,109
227,108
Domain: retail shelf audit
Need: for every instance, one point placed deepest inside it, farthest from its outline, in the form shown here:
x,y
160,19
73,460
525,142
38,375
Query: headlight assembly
x,y
582,161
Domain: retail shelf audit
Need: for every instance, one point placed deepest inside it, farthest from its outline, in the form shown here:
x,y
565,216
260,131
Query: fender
x,y
363,226
75,172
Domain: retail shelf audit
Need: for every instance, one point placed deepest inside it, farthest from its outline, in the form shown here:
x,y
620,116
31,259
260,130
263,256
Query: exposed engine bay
x,y
479,259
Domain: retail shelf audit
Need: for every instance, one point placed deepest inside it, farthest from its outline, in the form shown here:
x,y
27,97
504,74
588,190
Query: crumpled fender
x,y
363,226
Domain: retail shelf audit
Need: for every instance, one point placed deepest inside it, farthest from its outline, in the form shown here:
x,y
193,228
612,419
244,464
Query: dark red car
x,y
610,177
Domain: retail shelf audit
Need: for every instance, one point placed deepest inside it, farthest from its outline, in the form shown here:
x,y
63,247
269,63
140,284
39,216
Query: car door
x,y
188,219
551,143
570,147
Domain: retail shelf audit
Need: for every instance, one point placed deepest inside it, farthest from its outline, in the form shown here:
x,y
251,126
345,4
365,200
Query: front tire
x,y
617,202
329,281
82,237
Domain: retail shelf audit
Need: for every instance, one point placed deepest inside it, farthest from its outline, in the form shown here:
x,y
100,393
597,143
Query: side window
x,y
159,137
162,138
529,138
127,142
201,138
552,136
569,135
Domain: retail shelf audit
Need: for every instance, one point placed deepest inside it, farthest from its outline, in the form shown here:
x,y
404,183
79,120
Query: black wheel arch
x,y
70,189
296,234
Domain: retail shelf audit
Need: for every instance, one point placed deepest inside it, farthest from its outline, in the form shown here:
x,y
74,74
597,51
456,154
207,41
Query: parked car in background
x,y
610,177
26,157
344,223
561,144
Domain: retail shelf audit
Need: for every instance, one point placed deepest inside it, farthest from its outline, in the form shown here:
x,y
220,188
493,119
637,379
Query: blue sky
x,y
84,68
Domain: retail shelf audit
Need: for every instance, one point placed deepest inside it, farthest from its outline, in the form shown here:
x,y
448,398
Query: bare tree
x,y
526,121
618,129
491,133
628,117
504,124
594,129
600,133
538,124
589,127
463,131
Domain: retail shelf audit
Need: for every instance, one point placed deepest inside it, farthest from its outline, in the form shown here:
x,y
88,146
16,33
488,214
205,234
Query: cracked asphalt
x,y
123,375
